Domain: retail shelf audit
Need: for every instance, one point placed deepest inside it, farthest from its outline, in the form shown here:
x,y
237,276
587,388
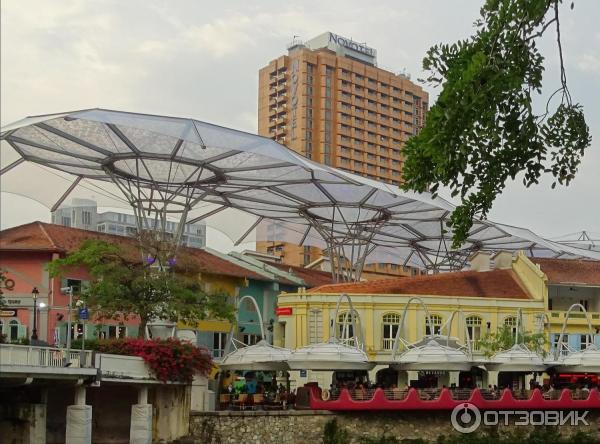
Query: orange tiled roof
x,y
491,284
40,236
570,271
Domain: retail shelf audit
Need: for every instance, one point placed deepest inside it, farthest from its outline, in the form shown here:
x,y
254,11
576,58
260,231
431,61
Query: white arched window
x,y
13,330
436,325
511,322
315,326
391,324
474,329
345,328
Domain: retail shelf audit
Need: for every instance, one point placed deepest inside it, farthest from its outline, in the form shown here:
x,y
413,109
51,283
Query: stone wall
x,y
306,427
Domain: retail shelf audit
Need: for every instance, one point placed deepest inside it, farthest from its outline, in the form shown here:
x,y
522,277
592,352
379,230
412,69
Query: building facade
x,y
327,100
25,252
83,214
488,297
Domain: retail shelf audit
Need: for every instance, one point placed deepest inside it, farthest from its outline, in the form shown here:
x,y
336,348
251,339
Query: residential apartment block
x,y
83,213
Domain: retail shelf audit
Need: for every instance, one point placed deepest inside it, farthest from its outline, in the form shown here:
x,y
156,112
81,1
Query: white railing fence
x,y
43,356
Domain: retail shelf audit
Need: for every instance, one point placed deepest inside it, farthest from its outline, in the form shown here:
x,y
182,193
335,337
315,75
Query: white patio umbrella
x,y
260,356
433,356
517,359
335,354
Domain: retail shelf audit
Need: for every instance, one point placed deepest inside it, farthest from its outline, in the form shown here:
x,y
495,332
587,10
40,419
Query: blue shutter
x,y
22,332
575,341
205,339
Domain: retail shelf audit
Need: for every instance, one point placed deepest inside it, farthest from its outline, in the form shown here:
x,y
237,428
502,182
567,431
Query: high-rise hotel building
x,y
327,100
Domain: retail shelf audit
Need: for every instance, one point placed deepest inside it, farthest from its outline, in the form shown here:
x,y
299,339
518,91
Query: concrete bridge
x,y
113,398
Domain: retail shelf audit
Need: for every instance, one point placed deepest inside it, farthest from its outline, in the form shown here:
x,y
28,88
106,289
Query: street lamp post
x,y
34,294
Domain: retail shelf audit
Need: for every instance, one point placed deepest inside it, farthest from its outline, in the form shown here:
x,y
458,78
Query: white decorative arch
x,y
564,327
402,321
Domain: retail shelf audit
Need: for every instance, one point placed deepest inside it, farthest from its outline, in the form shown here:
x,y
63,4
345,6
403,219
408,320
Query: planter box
x,y
122,367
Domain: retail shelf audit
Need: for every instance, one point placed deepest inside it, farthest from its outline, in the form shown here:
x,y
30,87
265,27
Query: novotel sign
x,y
351,44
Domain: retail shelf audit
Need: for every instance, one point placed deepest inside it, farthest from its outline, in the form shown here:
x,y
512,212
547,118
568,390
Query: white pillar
x,y
140,429
79,420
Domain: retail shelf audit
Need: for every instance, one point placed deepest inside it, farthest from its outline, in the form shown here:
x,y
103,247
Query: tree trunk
x,y
142,328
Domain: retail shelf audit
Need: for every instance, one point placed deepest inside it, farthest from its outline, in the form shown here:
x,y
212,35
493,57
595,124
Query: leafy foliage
x,y
483,130
170,359
122,287
504,339
333,434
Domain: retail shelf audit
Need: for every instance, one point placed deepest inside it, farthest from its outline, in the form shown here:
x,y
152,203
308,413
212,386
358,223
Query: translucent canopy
x,y
332,355
516,359
587,360
261,356
191,170
433,356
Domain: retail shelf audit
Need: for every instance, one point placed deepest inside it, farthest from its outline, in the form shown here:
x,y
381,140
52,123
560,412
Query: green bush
x,y
334,434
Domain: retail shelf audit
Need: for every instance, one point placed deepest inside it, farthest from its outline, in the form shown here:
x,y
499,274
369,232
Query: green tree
x,y
122,287
504,339
482,129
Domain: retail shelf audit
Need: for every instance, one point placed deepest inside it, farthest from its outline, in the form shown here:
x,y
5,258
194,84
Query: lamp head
x,y
35,292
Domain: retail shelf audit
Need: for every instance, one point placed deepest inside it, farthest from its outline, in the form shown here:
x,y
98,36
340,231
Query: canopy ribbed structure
x,y
433,356
332,355
517,359
260,356
167,168
587,361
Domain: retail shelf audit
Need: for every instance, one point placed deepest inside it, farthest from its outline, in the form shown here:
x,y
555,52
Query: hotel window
x,y
315,326
391,323
474,330
345,328
436,325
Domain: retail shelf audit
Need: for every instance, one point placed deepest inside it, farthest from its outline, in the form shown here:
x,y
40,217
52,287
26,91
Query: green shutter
x,y
22,332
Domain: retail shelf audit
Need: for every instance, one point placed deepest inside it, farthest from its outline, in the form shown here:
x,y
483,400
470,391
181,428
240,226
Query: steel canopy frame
x,y
172,169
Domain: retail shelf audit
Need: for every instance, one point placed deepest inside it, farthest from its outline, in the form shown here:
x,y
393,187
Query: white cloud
x,y
589,63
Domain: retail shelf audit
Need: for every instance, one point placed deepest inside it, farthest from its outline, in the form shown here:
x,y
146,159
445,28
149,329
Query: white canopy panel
x,y
235,180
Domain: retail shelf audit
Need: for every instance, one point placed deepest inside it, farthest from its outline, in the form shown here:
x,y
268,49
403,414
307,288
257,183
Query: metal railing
x,y
43,356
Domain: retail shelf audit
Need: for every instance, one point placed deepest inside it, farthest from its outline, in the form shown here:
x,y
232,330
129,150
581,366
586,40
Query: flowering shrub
x,y
169,359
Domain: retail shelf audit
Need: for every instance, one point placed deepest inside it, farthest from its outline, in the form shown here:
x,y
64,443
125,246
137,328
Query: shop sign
x,y
8,312
283,311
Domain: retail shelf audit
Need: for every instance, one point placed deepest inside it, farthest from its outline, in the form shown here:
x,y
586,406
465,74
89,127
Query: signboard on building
x,y
303,373
283,311
8,313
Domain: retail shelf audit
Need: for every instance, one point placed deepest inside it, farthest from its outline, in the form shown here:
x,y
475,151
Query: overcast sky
x,y
201,59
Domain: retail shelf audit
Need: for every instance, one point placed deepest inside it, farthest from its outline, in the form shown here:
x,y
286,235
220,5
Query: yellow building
x,y
489,297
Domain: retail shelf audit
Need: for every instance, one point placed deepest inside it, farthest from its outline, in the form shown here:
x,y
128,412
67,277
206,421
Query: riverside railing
x,y
36,356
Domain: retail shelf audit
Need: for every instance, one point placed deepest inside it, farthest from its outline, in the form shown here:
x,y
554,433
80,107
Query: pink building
x,y
25,252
